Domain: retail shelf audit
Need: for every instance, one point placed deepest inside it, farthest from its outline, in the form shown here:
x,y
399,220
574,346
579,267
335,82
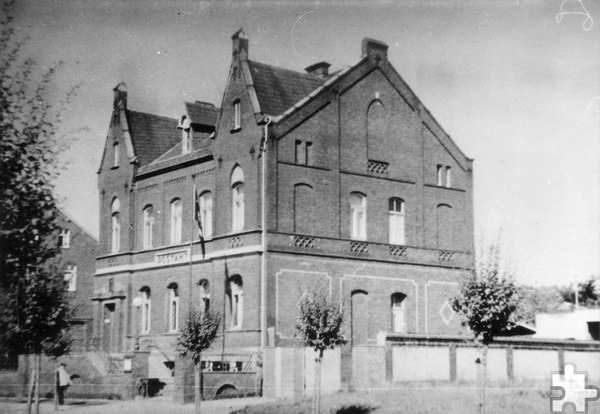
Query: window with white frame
x,y
396,221
146,309
448,177
358,216
204,295
148,226
173,307
237,199
237,115
64,239
176,221
237,301
398,316
309,153
206,209
71,277
115,226
440,175
116,154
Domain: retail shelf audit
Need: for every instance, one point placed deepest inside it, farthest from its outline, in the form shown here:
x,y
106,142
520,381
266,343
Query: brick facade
x,y
358,131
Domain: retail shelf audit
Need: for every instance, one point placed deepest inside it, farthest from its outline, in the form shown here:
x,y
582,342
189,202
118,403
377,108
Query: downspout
x,y
263,264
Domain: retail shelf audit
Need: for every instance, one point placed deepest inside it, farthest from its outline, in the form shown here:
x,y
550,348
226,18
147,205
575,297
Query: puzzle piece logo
x,y
574,390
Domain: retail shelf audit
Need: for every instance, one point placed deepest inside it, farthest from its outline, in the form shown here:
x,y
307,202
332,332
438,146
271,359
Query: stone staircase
x,y
161,367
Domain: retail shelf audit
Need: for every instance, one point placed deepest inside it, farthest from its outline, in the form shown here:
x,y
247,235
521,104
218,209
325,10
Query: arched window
x,y
176,221
237,198
236,301
206,209
173,307
396,218
376,130
445,224
440,177
359,315
204,295
115,226
304,204
398,317
116,154
448,177
146,309
237,115
358,216
148,216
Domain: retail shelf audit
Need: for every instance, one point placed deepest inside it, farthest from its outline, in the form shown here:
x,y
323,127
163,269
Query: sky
x,y
515,83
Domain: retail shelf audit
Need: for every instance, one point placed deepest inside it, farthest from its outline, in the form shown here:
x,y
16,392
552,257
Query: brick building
x,y
359,190
78,253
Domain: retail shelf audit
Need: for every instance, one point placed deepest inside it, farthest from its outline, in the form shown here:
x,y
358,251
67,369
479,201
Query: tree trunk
x,y
55,375
197,397
31,387
317,396
483,376
38,366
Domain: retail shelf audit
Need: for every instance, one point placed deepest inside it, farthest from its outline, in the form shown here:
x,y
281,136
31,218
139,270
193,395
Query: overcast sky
x,y
518,91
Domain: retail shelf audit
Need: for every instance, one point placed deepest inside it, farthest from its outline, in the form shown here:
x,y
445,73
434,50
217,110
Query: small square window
x,y
64,239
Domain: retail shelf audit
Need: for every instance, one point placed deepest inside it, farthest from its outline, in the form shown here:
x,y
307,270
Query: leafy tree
x,y
487,301
197,335
534,300
319,324
32,289
587,293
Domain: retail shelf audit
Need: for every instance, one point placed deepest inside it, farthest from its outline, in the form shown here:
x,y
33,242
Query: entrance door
x,y
108,322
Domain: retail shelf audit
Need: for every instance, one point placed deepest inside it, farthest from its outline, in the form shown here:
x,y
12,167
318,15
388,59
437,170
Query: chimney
x,y
240,45
120,101
375,50
320,69
185,124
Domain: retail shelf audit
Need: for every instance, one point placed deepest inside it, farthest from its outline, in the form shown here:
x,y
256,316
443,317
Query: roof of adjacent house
x,y
278,89
152,135
202,113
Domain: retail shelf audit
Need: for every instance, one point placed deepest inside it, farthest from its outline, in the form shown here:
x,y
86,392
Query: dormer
x,y
185,125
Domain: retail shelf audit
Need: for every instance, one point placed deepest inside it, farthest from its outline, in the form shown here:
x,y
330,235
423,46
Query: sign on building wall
x,y
181,256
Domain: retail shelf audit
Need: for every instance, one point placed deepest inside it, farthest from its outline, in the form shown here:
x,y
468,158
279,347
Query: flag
x,y
198,217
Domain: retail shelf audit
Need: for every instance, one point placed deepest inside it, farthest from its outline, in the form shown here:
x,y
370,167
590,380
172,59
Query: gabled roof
x,y
278,89
202,113
152,135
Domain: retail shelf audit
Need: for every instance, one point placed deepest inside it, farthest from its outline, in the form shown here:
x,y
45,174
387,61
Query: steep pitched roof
x,y
152,135
202,113
278,89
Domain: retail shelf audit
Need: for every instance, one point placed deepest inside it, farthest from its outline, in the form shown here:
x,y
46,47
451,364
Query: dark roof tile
x,y
202,113
152,135
278,89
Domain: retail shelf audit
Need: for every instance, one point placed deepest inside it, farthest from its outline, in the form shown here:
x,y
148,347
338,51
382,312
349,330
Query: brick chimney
x,y
240,45
320,69
375,50
120,100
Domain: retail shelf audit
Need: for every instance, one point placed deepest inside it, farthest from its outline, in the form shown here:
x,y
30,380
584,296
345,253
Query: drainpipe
x,y
263,264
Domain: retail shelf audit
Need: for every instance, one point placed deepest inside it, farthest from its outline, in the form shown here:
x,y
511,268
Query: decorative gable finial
x,y
240,45
120,93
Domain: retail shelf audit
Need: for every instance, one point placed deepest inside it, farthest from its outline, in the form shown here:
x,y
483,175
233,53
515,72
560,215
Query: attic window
x,y
237,116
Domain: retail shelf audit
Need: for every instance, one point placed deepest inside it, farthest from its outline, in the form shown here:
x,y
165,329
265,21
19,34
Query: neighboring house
x,y
582,324
78,253
363,194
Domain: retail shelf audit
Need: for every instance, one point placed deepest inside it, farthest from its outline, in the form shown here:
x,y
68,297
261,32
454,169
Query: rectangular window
x,y
396,218
300,154
174,310
309,153
71,277
440,177
448,177
237,115
64,239
116,155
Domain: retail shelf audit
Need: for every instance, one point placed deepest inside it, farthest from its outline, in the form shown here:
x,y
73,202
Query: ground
x,y
421,399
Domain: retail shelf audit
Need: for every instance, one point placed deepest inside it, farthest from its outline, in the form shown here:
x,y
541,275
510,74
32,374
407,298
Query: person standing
x,y
63,381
